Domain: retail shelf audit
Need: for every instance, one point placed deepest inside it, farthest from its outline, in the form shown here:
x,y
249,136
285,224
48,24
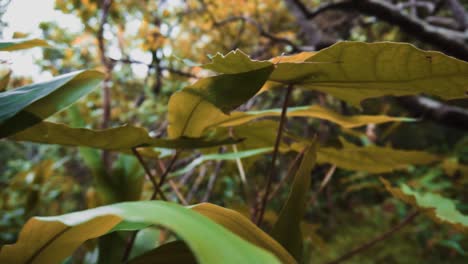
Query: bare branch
x,y
450,41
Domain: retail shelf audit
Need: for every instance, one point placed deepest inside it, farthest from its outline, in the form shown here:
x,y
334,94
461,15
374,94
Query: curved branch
x,y
450,41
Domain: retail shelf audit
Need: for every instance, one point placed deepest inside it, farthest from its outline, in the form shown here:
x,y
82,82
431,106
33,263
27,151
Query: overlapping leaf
x,y
315,111
440,209
199,105
354,71
243,227
119,138
26,106
18,44
51,239
287,229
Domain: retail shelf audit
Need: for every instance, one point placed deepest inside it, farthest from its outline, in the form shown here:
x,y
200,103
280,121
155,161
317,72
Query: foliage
x,y
202,132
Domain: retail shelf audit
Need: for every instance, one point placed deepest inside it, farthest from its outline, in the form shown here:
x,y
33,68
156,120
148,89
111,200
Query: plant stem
x,y
377,239
151,177
166,172
263,203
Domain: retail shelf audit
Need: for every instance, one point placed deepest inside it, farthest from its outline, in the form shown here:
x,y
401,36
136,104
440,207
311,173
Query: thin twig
x,y
175,189
166,172
263,203
324,183
212,180
377,239
289,174
149,174
196,184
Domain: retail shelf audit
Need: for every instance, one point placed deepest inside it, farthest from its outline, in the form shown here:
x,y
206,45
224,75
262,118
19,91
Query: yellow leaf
x,y
354,71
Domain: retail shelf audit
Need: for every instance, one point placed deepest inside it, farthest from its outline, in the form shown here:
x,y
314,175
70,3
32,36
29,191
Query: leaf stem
x,y
151,177
377,239
264,200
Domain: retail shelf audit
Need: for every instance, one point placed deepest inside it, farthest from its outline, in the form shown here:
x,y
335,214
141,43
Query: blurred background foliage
x,y
150,49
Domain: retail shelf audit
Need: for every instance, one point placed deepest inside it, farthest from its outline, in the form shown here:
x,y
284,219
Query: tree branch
x,y
450,41
430,109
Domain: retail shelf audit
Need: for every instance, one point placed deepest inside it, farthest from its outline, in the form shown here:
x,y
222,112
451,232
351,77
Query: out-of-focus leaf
x,y
169,253
222,156
244,228
315,111
287,229
18,44
201,104
120,138
354,71
373,159
235,62
440,209
26,106
5,74
51,239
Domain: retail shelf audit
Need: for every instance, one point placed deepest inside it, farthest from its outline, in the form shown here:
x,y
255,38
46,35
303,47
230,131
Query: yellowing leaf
x,y
51,239
440,209
18,44
244,228
287,229
119,138
354,71
194,108
315,111
373,159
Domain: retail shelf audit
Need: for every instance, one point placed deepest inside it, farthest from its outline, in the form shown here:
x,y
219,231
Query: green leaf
x,y
373,159
222,156
51,239
315,111
235,62
440,209
199,105
169,253
354,71
18,44
243,227
121,138
287,229
26,106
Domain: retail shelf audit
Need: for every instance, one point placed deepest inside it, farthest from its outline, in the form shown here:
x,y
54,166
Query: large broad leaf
x,y
440,209
51,239
18,44
354,71
243,227
373,159
315,111
119,138
199,105
287,229
26,106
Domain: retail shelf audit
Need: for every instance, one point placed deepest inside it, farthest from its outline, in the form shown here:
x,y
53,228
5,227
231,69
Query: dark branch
x,y
436,111
260,29
450,41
